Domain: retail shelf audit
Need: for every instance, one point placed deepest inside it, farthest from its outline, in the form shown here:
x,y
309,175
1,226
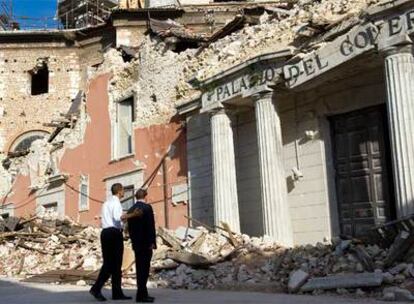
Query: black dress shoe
x,y
145,300
97,295
121,297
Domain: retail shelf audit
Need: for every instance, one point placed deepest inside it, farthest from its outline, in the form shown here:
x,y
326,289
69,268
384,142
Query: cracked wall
x,y
152,76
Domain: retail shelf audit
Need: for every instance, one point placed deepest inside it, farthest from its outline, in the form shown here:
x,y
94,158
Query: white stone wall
x,y
312,199
23,112
308,198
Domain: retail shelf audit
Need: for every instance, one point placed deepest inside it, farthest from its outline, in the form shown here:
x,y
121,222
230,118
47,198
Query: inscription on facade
x,y
236,87
356,42
398,24
359,40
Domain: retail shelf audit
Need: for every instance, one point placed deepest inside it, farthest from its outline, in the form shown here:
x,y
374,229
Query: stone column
x,y
276,215
399,68
226,205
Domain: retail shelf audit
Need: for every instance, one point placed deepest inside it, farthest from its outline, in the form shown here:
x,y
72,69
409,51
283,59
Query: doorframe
x,y
328,147
330,174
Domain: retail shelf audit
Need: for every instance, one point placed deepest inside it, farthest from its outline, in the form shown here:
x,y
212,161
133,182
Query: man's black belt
x,y
113,228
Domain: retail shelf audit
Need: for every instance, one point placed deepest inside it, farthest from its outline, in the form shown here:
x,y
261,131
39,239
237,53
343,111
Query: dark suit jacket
x,y
142,229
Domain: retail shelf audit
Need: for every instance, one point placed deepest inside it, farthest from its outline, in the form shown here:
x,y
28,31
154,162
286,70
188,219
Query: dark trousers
x,y
142,263
112,252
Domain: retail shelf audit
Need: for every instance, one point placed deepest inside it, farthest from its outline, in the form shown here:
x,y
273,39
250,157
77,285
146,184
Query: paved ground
x,y
13,292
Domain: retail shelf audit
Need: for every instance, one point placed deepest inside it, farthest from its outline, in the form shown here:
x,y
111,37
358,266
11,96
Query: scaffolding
x,y
69,14
84,13
10,22
6,16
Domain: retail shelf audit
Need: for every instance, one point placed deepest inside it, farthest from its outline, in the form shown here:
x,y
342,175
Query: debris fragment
x,y
397,294
296,280
344,281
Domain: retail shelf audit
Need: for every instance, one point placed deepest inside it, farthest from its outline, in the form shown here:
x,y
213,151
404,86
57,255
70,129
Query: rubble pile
x,y
291,24
49,249
38,245
198,259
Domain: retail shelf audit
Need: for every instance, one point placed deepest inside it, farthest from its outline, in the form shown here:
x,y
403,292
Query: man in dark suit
x,y
143,237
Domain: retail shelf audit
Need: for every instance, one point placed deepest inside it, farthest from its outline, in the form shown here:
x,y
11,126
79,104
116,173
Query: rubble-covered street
x,y
273,138
59,251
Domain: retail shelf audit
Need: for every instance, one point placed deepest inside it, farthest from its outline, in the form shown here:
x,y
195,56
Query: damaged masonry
x,y
278,133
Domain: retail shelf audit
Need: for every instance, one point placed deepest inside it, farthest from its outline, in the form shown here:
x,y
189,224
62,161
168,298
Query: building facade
x,y
304,148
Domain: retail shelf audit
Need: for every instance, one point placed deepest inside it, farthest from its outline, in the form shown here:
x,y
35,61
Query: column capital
x,y
221,111
265,94
398,45
398,49
217,111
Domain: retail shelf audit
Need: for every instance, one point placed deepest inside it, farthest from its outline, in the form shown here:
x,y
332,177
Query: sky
x,y
35,9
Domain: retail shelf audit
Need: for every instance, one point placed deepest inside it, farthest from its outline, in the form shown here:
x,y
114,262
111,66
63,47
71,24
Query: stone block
x,y
296,280
344,281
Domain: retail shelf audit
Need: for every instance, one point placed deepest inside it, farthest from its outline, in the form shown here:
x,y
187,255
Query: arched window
x,y
24,141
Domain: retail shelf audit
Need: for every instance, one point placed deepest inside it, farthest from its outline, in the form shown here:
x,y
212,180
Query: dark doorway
x,y
364,182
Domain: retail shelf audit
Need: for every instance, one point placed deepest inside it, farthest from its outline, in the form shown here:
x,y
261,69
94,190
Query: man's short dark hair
x,y
141,194
116,188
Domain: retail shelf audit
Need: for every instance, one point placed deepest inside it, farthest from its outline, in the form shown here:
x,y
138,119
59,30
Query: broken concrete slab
x,y
344,281
183,233
164,264
189,258
401,245
170,239
296,280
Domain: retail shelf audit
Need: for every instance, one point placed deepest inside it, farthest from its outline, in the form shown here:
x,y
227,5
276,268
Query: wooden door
x,y
362,162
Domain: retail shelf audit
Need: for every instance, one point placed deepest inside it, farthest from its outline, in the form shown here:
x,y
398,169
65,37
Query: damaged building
x,y
309,142
281,118
81,110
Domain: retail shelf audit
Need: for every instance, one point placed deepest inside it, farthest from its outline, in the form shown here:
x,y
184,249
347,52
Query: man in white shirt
x,y
112,245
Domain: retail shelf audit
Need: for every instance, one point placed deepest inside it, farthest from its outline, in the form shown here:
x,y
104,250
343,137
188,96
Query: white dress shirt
x,y
111,213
